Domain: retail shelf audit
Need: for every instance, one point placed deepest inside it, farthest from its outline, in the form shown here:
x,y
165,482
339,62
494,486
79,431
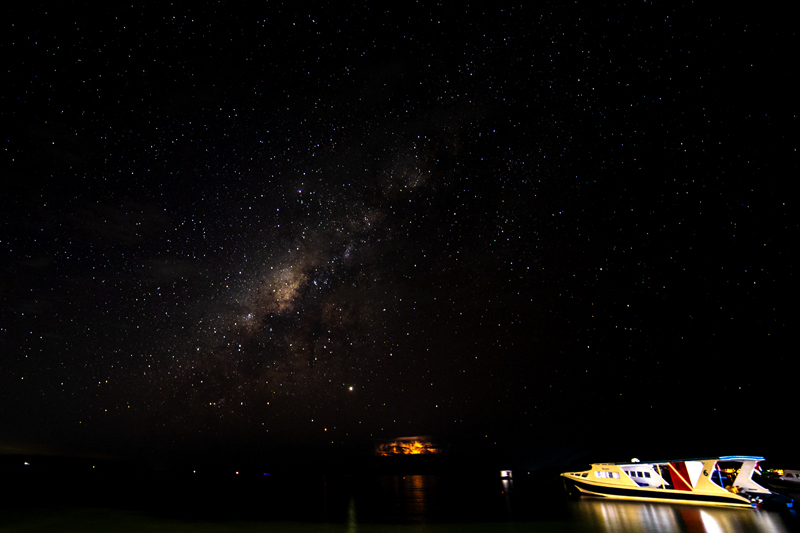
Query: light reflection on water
x,y
434,500
617,516
412,497
385,503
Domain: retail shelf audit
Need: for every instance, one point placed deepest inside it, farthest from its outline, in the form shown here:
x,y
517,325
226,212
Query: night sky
x,y
232,230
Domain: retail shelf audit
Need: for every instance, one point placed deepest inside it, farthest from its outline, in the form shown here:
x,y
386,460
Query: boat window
x,y
647,474
585,474
613,475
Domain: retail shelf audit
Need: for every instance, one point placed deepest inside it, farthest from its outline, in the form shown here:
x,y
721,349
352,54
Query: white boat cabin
x,y
645,475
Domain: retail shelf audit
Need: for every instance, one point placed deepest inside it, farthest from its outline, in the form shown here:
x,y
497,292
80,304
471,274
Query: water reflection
x,y
617,516
524,505
412,497
508,486
352,521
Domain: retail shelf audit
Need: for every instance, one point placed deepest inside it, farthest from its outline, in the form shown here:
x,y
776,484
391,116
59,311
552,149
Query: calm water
x,y
364,503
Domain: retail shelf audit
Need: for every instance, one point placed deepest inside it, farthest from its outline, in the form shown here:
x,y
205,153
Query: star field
x,y
242,228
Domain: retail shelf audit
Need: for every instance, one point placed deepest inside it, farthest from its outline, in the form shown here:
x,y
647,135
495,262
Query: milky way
x,y
313,312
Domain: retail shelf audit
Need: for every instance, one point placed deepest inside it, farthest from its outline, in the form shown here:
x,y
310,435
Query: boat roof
x,y
736,458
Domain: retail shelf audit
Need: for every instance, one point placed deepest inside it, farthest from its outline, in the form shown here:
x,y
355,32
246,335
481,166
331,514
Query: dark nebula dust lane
x,y
233,229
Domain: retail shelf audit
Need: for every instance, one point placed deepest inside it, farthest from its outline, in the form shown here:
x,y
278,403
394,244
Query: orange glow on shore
x,y
407,446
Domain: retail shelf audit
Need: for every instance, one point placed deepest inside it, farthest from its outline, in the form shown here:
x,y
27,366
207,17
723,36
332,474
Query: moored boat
x,y
694,481
784,480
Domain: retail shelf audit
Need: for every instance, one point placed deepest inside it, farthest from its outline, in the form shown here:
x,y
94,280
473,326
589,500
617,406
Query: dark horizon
x,y
546,455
